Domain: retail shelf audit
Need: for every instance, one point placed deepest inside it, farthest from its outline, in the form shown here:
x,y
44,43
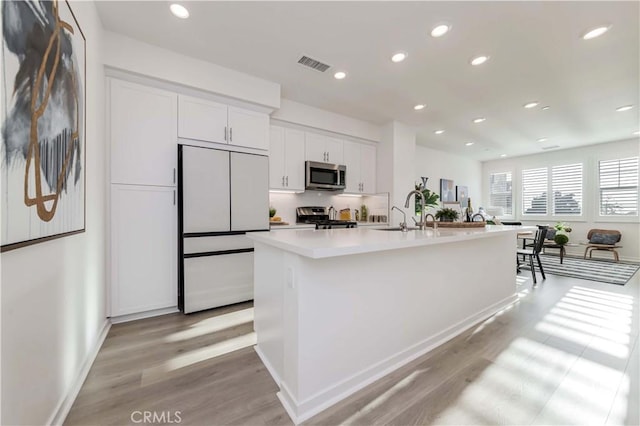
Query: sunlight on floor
x,y
212,325
383,398
569,371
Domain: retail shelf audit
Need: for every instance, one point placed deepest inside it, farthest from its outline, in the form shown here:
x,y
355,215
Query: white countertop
x,y
318,244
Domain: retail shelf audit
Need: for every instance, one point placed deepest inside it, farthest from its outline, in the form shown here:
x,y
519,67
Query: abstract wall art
x,y
447,190
42,123
462,195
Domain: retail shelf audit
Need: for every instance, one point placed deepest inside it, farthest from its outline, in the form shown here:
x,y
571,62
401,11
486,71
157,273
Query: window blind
x,y
566,184
500,192
534,191
618,183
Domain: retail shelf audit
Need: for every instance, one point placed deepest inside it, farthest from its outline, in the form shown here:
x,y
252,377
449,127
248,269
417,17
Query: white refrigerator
x,y
222,195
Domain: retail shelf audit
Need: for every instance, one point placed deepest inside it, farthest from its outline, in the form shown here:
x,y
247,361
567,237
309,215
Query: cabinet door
x,y
277,158
143,134
294,159
205,190
352,161
202,120
315,147
249,192
143,248
335,149
368,168
248,128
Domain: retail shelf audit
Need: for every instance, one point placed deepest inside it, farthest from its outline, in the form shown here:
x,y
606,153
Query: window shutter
x,y
500,192
566,184
618,183
534,191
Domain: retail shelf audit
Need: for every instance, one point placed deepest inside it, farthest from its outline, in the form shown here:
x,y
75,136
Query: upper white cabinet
x,y
143,134
324,149
286,158
360,160
210,121
202,120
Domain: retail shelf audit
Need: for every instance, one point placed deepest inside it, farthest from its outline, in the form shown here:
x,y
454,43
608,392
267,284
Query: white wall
x,y
53,293
438,165
131,55
297,113
589,156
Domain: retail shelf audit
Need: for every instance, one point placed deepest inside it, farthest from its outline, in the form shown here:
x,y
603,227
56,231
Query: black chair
x,y
534,252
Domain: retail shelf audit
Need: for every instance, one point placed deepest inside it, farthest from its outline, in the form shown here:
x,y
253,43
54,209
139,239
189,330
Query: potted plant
x,y
430,198
272,212
561,238
446,215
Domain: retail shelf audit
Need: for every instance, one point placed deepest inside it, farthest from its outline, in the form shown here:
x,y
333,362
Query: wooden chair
x,y
615,239
534,252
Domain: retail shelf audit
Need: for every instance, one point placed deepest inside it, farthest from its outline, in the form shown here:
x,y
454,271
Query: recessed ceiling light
x,y
399,57
440,30
624,108
542,139
531,104
546,107
419,107
503,155
439,132
469,143
479,60
340,75
479,120
637,132
596,32
179,10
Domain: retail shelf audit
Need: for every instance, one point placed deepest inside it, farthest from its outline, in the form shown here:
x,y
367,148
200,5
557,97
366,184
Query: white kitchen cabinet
x,y
143,248
202,120
143,134
360,160
324,149
286,158
209,121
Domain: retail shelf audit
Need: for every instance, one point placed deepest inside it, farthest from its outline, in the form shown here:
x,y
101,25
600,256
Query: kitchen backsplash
x,y
286,204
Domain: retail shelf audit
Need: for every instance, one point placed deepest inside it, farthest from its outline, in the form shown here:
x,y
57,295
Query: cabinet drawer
x,y
213,281
218,243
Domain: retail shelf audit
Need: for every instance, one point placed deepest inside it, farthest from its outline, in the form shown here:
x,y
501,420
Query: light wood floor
x,y
566,353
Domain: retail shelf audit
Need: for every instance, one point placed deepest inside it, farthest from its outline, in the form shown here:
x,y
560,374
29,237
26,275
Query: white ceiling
x,y
535,48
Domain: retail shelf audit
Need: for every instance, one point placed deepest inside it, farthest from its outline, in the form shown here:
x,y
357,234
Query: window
x,y
500,192
618,183
566,184
534,191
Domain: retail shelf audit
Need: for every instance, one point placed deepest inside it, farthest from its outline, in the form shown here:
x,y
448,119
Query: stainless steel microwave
x,y
325,176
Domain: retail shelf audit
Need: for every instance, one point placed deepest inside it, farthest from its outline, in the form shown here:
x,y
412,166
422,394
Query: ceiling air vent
x,y
550,147
312,63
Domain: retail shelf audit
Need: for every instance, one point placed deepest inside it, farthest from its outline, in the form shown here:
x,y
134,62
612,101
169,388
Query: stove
x,y
320,217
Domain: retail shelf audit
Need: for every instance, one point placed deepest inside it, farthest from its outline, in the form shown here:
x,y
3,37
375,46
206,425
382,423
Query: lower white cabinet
x,y
143,248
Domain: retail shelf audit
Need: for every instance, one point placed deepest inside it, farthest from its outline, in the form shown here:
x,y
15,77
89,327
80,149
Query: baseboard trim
x,y
300,411
267,364
66,402
142,315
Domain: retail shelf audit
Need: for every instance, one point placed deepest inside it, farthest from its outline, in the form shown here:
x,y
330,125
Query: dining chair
x,y
534,251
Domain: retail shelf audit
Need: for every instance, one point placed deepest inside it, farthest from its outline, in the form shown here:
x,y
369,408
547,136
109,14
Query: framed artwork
x,y
447,190
462,195
42,123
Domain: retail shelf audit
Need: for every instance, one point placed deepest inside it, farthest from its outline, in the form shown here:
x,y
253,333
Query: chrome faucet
x,y
420,224
435,224
403,224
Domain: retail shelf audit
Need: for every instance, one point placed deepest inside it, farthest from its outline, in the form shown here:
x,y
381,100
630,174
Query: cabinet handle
x,y
287,181
327,157
174,197
174,175
282,180
225,133
230,134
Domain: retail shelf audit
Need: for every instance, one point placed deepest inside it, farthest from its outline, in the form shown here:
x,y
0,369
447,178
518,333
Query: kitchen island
x,y
338,309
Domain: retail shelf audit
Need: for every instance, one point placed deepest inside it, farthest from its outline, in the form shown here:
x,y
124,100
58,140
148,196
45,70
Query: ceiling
x,y
535,48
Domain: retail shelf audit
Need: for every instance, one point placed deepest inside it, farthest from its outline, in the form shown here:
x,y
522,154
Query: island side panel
x,y
362,316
